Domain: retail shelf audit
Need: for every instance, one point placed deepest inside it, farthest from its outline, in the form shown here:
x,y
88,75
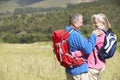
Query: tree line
x,y
32,27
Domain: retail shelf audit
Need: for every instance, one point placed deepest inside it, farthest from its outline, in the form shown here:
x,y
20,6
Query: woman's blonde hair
x,y
102,18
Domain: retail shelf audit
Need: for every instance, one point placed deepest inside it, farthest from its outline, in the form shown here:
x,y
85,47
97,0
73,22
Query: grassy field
x,y
37,62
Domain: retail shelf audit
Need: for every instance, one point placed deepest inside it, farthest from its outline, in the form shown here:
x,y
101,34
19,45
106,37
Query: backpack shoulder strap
x,y
95,56
70,31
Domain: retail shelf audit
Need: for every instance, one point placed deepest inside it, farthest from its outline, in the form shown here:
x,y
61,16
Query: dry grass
x,y
112,70
36,62
28,62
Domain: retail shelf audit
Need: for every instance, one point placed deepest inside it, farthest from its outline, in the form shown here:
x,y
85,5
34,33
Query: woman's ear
x,y
103,23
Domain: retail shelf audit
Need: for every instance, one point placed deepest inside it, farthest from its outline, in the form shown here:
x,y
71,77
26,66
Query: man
x,y
78,42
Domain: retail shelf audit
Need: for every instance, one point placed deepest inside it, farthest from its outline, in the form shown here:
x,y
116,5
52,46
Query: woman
x,y
96,66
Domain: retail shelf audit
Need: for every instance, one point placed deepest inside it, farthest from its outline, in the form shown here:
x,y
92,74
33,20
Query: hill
x,y
28,27
10,5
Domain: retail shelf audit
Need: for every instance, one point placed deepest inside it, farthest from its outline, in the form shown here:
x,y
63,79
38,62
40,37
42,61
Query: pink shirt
x,y
91,60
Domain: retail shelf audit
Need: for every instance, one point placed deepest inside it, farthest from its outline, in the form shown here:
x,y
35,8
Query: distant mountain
x,y
10,5
30,2
27,2
5,0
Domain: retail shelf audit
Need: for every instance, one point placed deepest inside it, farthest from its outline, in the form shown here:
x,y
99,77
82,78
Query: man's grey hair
x,y
74,18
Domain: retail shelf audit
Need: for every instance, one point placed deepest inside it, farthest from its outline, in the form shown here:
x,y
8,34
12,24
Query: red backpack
x,y
61,49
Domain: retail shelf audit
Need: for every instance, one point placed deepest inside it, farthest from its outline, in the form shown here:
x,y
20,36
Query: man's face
x,y
78,23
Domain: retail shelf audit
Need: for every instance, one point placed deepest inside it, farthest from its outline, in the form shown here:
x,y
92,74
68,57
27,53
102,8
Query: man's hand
x,y
97,32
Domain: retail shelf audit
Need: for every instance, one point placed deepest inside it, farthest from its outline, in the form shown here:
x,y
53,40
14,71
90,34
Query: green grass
x,y
37,62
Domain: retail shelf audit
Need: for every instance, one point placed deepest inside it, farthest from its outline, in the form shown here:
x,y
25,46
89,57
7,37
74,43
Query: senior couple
x,y
79,45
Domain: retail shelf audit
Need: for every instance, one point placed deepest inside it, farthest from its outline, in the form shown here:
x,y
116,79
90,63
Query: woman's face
x,y
97,23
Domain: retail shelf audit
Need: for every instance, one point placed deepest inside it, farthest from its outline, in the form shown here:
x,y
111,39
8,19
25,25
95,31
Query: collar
x,y
72,27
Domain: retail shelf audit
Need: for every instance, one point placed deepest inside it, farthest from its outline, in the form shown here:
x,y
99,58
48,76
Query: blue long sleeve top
x,y
78,42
